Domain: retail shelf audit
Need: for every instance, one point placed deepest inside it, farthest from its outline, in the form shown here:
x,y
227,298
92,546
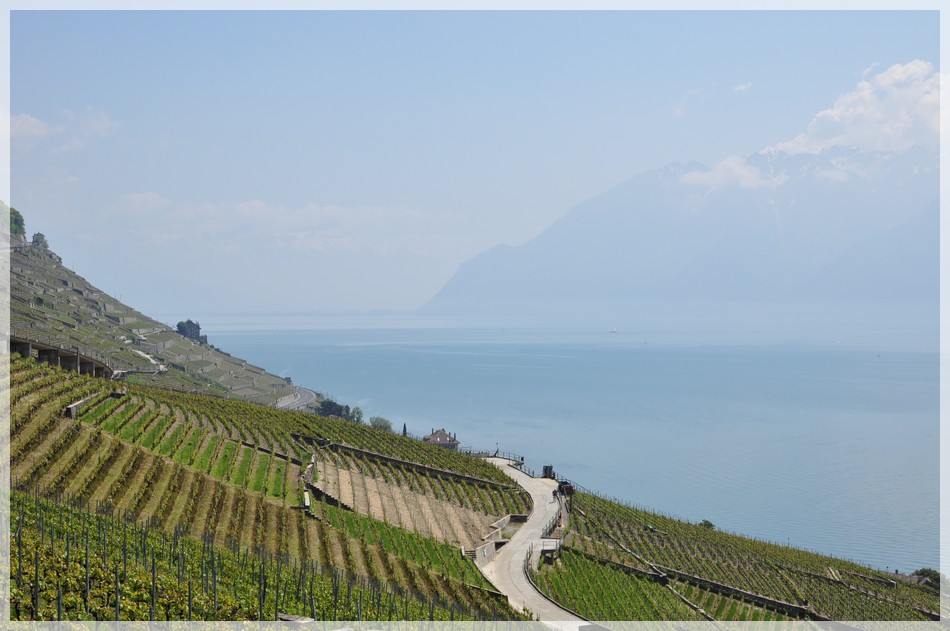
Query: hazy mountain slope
x,y
771,229
904,261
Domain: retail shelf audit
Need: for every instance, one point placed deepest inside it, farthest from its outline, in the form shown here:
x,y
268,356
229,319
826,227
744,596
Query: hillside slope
x,y
52,304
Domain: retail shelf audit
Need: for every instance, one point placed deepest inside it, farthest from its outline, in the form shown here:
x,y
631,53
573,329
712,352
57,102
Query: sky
x,y
196,163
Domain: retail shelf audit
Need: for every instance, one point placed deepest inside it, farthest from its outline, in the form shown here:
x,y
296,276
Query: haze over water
x,y
825,447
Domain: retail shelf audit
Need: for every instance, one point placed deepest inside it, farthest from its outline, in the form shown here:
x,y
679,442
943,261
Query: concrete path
x,y
506,570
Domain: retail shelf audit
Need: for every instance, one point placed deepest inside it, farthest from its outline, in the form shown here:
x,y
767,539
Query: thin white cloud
x,y
870,69
742,87
893,110
84,127
733,171
30,127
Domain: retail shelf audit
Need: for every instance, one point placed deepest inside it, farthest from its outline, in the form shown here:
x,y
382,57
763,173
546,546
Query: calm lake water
x,y
827,448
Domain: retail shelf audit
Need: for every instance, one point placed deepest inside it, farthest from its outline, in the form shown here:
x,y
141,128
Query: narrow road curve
x,y
301,398
506,570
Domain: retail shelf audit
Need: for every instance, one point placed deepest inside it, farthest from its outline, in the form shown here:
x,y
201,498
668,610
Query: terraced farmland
x,y
291,434
169,459
601,591
440,506
723,607
728,576
418,511
70,563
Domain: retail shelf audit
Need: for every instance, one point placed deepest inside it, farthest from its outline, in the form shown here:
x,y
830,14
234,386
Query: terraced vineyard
x,y
209,469
728,576
440,506
289,433
70,563
601,591
724,607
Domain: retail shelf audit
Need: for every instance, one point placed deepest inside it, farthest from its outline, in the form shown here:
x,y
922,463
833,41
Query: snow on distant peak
x,y
734,171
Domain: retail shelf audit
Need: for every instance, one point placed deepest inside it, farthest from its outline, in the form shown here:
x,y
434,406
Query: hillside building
x,y
191,330
442,438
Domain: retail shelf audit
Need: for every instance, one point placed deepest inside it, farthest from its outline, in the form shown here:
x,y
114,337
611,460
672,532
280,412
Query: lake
x,y
825,447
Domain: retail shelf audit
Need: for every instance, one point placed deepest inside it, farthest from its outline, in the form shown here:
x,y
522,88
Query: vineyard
x,y
601,591
230,474
613,547
441,507
280,431
141,503
72,563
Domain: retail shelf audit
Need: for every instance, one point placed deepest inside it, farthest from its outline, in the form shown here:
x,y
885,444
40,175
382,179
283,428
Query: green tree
x,y
707,524
329,407
380,422
17,225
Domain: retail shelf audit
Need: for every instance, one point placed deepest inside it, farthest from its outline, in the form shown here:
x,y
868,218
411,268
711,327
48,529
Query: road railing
x,y
552,524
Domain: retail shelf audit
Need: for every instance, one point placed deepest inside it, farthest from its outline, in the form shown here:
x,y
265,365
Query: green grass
x,y
260,474
117,420
186,454
168,444
204,461
240,475
151,437
224,462
276,487
131,430
731,614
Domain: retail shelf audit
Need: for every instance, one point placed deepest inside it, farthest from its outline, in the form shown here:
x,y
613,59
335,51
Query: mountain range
x,y
839,228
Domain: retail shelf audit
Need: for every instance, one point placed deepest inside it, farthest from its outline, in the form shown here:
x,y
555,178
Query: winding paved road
x,y
299,399
506,570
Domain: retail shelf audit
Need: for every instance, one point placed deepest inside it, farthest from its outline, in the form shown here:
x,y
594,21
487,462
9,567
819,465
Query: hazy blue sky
x,y
195,162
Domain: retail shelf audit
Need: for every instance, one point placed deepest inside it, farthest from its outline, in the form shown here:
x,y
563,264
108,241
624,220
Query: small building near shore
x,y
442,438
